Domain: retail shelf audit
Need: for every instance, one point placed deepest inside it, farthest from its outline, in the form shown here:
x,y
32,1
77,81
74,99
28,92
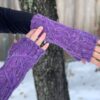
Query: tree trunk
x,y
49,73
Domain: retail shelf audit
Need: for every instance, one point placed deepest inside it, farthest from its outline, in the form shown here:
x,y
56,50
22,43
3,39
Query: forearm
x,y
19,61
76,43
12,72
14,21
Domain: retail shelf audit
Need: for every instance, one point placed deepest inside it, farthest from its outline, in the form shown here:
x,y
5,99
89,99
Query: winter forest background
x,y
57,76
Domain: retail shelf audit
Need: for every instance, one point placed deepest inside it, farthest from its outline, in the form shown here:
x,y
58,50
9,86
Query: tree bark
x,y
49,73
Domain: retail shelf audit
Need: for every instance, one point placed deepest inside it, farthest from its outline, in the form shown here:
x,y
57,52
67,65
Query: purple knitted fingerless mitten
x,y
76,43
21,57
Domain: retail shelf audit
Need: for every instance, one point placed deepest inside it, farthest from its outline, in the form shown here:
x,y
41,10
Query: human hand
x,y
96,55
33,35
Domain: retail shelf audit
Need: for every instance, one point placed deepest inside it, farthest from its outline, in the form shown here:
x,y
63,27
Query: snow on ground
x,y
26,90
84,83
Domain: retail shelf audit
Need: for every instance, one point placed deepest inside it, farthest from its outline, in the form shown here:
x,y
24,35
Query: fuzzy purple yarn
x,y
76,43
22,56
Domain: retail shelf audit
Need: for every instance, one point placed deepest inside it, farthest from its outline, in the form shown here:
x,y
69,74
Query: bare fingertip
x,y
45,47
98,42
40,27
47,44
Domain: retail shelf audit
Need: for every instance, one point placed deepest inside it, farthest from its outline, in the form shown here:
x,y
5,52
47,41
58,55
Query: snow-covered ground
x,y
84,83
26,90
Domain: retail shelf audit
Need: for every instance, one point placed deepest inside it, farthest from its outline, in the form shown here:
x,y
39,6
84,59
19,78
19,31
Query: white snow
x,y
84,83
26,90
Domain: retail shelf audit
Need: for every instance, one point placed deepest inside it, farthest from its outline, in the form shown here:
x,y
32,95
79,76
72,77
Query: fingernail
x,y
44,33
48,44
41,27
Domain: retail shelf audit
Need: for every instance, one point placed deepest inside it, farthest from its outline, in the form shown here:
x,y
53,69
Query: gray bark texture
x,y
49,72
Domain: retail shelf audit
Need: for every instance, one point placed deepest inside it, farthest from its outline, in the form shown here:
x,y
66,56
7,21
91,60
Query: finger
x,y
96,55
41,39
29,34
96,62
97,49
98,42
37,33
83,61
45,47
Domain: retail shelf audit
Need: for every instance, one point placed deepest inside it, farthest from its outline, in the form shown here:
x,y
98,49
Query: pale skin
x,y
95,59
33,35
96,55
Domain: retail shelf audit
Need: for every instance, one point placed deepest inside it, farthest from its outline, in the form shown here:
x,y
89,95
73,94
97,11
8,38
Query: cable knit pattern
x,y
76,43
21,57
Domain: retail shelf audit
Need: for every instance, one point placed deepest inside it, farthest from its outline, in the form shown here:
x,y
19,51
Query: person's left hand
x,y
96,55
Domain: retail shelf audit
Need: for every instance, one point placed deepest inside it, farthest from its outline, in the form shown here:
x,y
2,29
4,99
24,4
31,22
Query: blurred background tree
x,y
49,73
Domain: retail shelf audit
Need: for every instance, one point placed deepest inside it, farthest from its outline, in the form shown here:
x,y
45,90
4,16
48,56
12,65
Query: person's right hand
x,y
33,35
22,56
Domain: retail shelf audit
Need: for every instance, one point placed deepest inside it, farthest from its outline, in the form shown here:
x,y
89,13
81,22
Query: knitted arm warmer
x,y
76,43
21,57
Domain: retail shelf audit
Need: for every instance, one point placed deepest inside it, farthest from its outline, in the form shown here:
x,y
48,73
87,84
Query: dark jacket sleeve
x,y
14,21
